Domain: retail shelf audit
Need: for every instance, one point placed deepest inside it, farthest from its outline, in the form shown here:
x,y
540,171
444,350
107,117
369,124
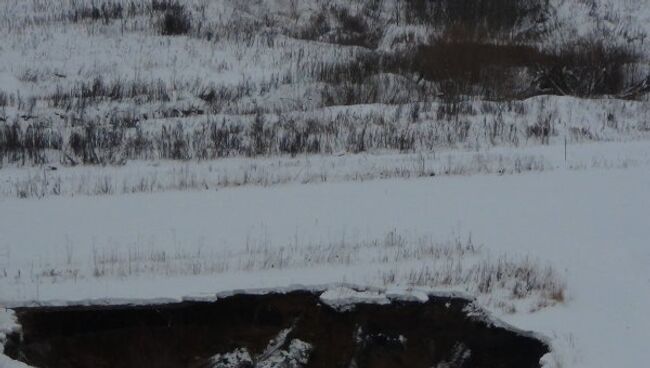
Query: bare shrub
x,y
338,26
453,110
542,130
29,143
301,138
96,90
474,68
580,133
464,66
353,30
106,11
586,68
176,19
261,136
487,17
317,27
94,144
174,143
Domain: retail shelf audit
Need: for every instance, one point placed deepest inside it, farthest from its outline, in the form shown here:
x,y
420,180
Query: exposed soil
x,y
402,334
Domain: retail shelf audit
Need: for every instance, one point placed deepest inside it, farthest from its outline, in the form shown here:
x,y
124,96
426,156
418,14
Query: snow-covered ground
x,y
590,226
136,166
161,176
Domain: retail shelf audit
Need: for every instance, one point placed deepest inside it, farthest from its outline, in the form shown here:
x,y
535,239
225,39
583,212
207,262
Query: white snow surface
x,y
587,216
234,359
591,225
8,324
344,298
294,355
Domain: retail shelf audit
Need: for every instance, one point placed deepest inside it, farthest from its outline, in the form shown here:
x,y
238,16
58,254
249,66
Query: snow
x,y
592,225
8,325
237,358
160,176
295,355
359,228
6,362
407,295
343,298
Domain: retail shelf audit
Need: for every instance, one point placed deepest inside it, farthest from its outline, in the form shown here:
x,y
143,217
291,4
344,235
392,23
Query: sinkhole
x,y
293,329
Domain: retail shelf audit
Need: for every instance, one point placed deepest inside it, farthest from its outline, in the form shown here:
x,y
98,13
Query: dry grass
x,y
197,176
394,260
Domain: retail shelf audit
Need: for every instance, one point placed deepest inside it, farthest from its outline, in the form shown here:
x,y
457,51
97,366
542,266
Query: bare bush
x,y
4,99
474,68
500,71
586,68
97,144
28,144
484,18
105,11
338,26
175,21
96,90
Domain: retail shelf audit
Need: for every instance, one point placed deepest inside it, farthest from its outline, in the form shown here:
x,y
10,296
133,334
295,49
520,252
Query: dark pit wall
x,y
249,327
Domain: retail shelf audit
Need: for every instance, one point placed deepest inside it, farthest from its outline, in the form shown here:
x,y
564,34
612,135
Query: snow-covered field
x,y
156,151
583,229
162,176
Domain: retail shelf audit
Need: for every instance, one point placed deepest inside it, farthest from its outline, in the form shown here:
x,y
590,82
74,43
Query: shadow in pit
x,y
437,333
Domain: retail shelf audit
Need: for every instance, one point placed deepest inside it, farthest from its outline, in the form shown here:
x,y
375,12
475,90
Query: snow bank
x,y
342,298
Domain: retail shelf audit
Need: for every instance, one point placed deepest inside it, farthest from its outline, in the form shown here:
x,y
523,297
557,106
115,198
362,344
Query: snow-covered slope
x,y
161,151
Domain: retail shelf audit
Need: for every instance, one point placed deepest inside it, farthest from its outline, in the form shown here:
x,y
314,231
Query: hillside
x,y
155,152
105,82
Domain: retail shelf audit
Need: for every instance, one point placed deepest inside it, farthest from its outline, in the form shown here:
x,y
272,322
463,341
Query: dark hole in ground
x,y
189,334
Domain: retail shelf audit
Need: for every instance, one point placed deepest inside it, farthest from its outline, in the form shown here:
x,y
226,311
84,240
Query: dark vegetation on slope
x,y
481,49
122,139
